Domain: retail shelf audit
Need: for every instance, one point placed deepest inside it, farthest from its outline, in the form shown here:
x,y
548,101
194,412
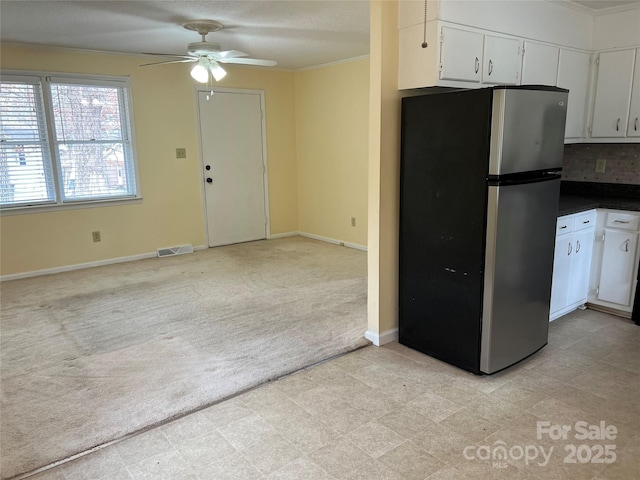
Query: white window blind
x,y
90,155
25,163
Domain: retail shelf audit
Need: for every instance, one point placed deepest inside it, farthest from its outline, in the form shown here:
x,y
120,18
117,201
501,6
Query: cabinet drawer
x,y
564,224
623,221
585,220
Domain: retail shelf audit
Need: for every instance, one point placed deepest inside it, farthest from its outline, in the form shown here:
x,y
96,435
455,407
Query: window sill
x,y
23,210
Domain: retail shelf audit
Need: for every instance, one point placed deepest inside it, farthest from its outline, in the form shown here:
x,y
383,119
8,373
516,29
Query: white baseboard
x,y
99,263
383,338
79,266
333,240
283,235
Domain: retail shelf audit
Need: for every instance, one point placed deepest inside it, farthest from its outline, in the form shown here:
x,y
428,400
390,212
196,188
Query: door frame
x,y
265,177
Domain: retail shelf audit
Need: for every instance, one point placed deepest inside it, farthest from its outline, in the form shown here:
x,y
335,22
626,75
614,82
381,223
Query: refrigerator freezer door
x,y
445,145
518,269
527,130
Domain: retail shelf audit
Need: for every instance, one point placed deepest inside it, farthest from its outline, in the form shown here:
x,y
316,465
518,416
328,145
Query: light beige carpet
x,y
90,355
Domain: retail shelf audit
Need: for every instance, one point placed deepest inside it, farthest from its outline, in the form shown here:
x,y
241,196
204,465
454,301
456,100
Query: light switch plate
x,y
601,164
181,153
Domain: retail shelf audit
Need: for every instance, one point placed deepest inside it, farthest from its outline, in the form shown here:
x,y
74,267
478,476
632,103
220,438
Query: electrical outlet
x,y
96,236
601,164
353,221
181,153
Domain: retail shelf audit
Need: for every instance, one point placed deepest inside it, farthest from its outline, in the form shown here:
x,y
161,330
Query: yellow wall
x,y
384,169
164,118
317,153
332,129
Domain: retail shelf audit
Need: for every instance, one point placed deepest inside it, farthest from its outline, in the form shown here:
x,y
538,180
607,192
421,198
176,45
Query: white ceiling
x,y
598,5
296,34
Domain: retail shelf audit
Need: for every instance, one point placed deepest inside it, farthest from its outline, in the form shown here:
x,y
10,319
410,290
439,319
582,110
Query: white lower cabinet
x,y
615,261
572,262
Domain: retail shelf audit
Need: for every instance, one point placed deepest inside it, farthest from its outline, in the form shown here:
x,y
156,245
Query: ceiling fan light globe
x,y
217,71
200,74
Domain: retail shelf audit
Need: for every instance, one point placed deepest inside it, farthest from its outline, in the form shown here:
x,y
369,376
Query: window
x,y
65,140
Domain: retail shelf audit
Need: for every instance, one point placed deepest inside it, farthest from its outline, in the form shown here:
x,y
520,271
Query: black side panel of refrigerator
x,y
443,199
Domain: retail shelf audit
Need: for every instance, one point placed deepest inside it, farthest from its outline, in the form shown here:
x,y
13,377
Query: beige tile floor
x,y
392,413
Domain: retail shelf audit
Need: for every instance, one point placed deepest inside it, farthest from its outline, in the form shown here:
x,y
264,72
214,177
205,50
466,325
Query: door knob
x,y
209,180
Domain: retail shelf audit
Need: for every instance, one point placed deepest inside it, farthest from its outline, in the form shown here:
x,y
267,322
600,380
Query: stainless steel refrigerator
x,y
479,189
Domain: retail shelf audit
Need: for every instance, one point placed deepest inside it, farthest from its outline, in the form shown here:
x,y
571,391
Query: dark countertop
x,y
578,197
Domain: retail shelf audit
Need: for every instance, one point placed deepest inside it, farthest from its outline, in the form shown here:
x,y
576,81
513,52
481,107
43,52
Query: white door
x,y
234,168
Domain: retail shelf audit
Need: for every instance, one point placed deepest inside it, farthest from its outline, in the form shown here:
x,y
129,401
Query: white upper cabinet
x,y
460,55
501,60
613,94
540,64
474,45
573,74
633,128
456,56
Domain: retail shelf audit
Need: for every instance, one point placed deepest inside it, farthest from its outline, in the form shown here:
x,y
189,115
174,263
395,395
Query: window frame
x,y
44,80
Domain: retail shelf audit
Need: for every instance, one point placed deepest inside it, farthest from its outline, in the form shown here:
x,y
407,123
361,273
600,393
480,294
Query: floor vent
x,y
179,250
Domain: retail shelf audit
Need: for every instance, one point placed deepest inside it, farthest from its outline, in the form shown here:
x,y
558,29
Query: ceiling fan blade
x,y
167,55
232,54
249,61
170,61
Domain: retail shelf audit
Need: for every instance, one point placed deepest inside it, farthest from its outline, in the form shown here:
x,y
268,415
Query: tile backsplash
x,y
622,162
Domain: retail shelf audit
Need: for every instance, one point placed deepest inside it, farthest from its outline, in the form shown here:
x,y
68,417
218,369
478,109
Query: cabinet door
x,y
613,93
616,275
501,60
539,64
573,74
561,272
460,55
633,129
580,267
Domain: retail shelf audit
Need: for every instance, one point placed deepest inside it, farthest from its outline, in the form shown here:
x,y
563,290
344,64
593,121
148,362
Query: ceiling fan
x,y
209,55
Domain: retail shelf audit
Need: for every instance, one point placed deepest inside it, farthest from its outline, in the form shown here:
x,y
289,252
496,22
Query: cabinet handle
x,y
490,66
587,221
635,124
577,246
478,68
563,227
621,221
626,245
569,250
618,125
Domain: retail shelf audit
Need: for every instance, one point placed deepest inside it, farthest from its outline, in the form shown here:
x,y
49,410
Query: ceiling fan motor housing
x,y
203,48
